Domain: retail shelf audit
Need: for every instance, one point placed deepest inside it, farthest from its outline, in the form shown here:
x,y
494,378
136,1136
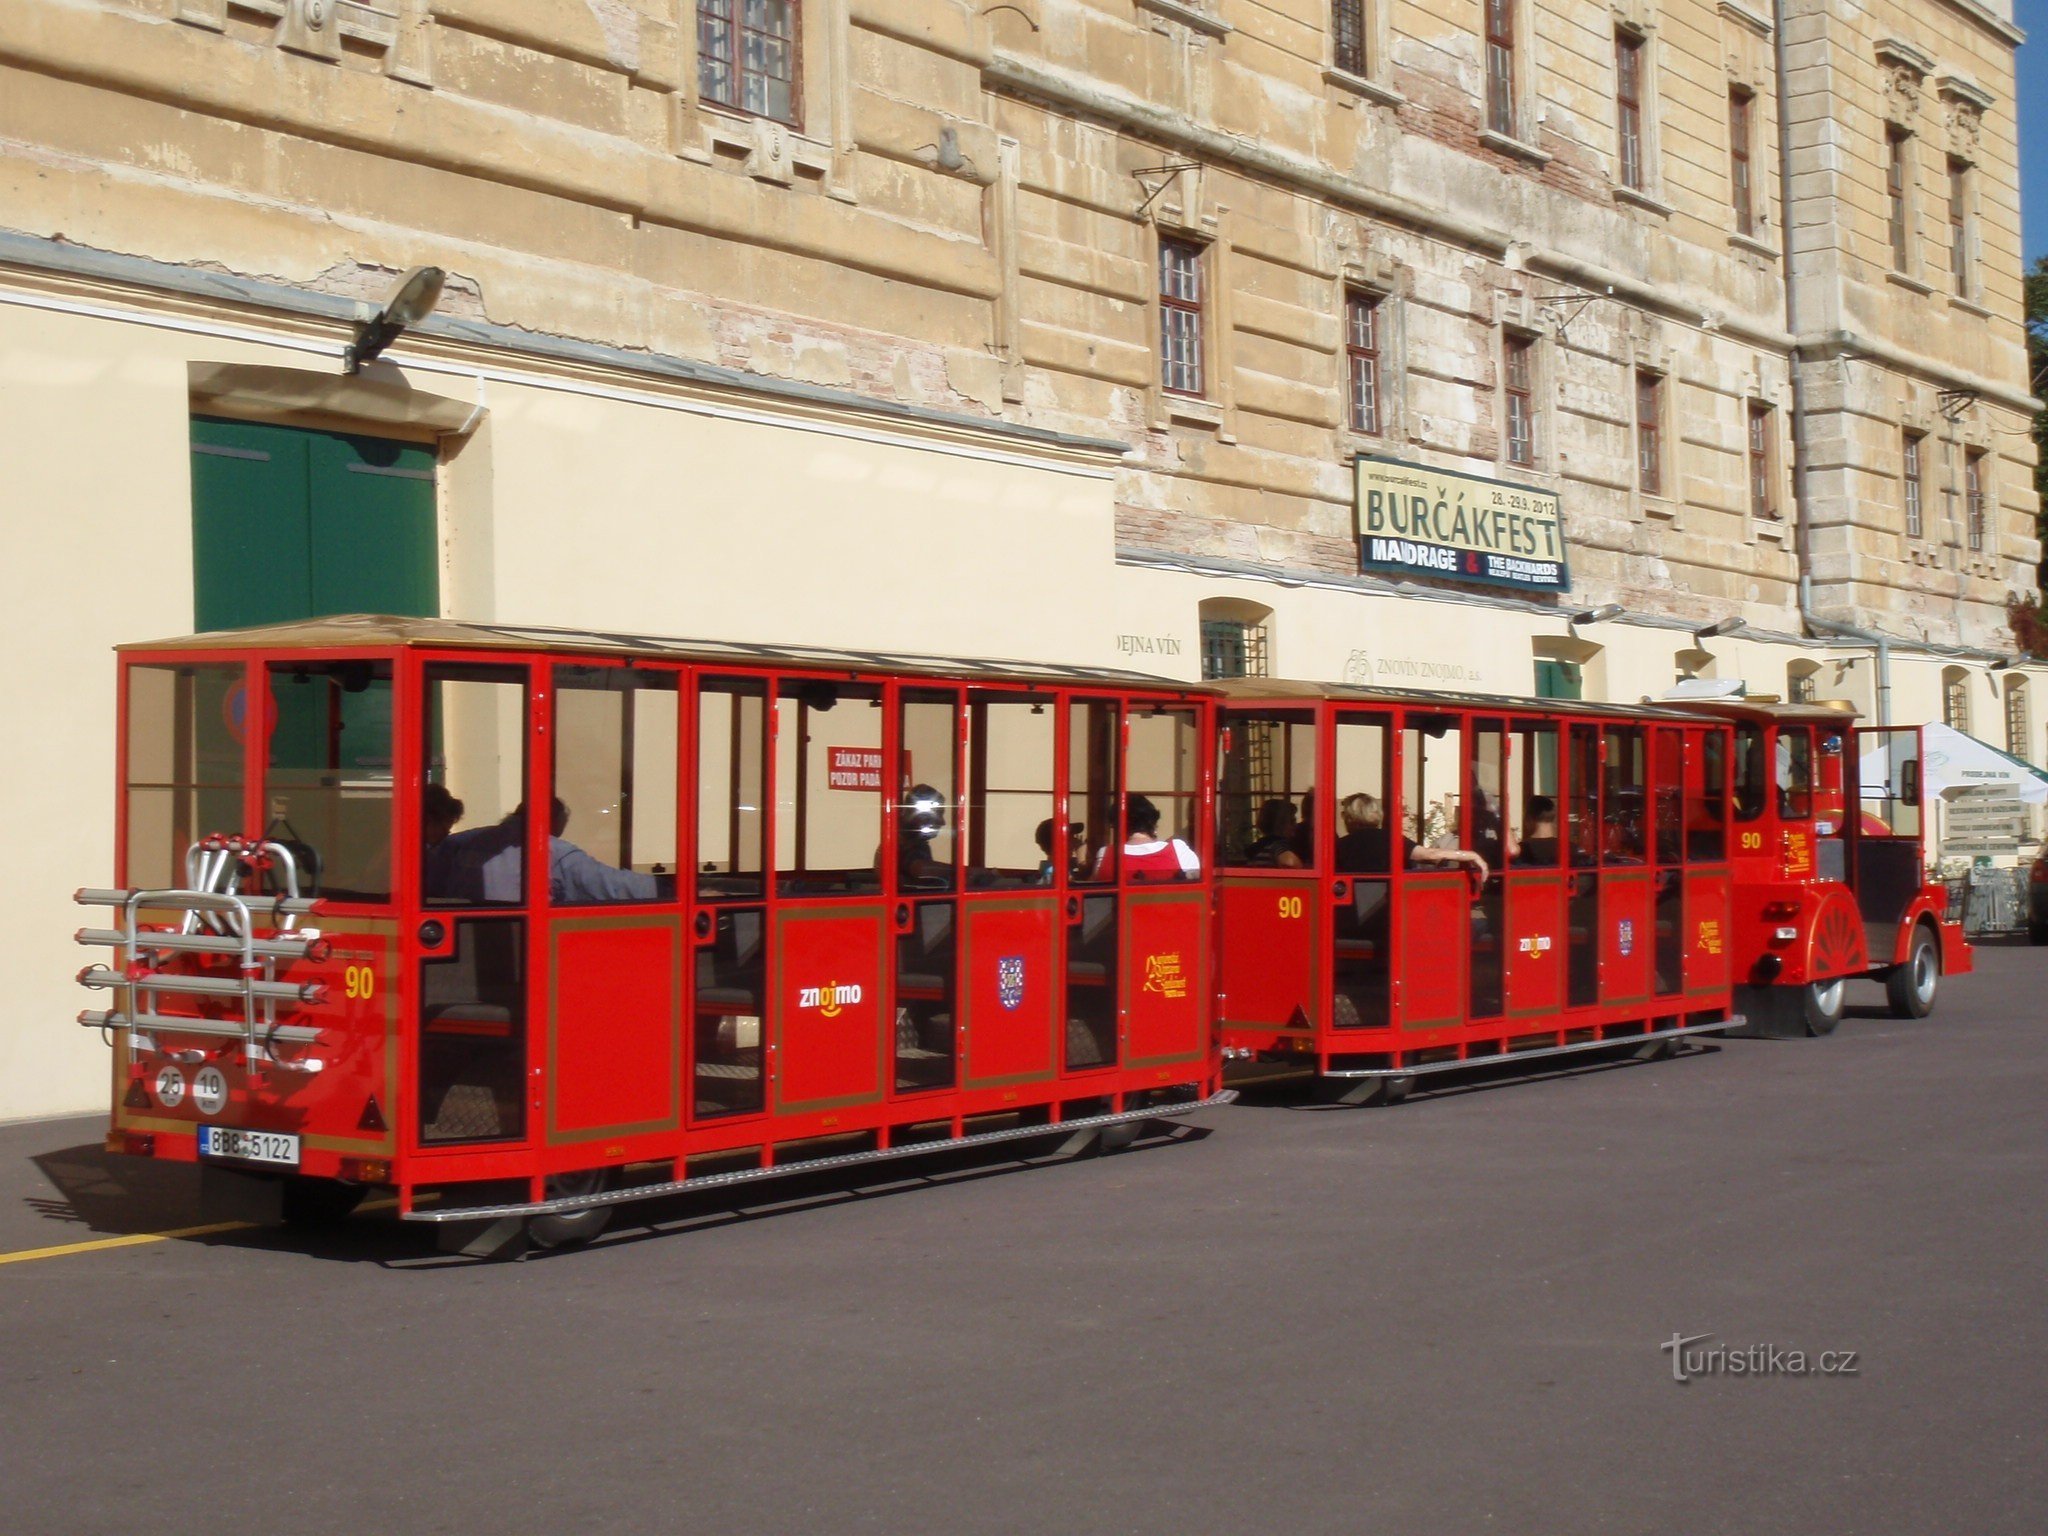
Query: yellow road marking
x,y
131,1240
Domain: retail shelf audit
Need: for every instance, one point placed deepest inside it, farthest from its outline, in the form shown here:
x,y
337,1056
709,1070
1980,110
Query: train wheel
x,y
319,1202
1114,1138
1821,1005
2037,933
567,1229
1910,989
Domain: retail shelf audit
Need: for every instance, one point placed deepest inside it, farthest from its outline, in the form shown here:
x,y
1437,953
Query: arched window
x,y
1801,682
2016,731
1955,699
1235,636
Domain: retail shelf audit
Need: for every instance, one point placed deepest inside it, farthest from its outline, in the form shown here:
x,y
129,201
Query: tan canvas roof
x,y
1259,690
369,632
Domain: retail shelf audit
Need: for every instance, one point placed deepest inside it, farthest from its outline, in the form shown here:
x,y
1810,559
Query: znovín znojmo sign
x,y
1414,520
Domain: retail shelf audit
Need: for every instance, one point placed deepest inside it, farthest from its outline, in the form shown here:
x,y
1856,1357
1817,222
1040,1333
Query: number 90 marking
x,y
1752,840
1290,906
358,981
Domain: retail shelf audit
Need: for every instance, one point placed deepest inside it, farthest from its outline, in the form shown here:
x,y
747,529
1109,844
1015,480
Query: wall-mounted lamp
x,y
2003,662
411,302
1598,615
1717,628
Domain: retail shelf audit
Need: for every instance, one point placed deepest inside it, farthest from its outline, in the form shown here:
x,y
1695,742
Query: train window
x,y
1582,797
1366,803
1488,826
184,766
1010,759
927,788
327,788
1667,794
474,820
1793,770
1533,798
1092,765
1623,811
1752,779
615,786
1706,797
732,719
1162,771
1264,795
1433,791
828,794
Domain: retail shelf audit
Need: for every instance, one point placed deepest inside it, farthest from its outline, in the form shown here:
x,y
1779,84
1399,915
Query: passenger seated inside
x,y
1303,839
1274,848
1490,839
1366,848
1148,857
485,866
439,812
1539,834
920,818
1076,849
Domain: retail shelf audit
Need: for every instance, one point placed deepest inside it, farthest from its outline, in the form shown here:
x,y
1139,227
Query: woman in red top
x,y
1146,855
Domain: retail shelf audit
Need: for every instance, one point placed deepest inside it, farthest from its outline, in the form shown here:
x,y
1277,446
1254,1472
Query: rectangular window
x,y
1180,317
1500,66
1649,433
1347,29
1915,520
615,742
1741,192
2016,719
1955,700
1516,371
1232,648
1959,224
1362,360
1973,497
328,782
1628,101
1895,195
184,773
1763,499
1799,684
747,56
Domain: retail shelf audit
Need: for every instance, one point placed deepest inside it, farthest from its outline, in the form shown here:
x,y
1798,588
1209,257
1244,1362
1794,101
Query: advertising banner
x,y
1417,521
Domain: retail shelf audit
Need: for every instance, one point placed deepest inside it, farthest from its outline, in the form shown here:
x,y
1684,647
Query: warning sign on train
x,y
1417,521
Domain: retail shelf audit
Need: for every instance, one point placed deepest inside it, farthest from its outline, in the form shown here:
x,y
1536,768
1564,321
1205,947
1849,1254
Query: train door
x,y
1582,861
472,1051
1010,995
1884,772
1433,902
830,1037
609,953
728,1072
1708,888
1167,986
1091,946
1536,933
1365,807
1665,846
1627,882
925,1016
1485,813
1268,855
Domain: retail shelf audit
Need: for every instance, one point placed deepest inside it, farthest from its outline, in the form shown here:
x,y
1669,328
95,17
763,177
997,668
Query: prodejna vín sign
x,y
1417,521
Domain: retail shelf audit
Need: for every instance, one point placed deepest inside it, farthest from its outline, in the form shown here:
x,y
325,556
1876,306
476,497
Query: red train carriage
x,y
1830,876
1409,884
782,905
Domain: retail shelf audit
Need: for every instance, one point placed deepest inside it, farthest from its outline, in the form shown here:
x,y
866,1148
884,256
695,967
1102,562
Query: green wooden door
x,y
1558,679
291,524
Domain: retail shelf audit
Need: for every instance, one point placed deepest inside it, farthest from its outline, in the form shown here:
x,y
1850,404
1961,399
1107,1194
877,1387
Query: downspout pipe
x,y
1802,535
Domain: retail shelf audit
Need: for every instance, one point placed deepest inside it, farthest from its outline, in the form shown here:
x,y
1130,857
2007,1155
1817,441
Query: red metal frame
x,y
609,991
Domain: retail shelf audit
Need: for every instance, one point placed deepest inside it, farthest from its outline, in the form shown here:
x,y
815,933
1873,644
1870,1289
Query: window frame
x,y
1497,33
1913,471
2016,717
1649,431
1630,143
1761,443
1898,183
1350,49
1975,499
1171,304
1960,271
734,18
1518,391
1742,159
1364,362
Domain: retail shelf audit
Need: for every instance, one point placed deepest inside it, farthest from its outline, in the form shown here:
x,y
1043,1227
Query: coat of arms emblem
x,y
1010,980
1625,935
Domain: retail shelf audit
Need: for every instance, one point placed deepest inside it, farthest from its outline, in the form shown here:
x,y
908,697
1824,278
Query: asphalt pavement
x,y
1451,1316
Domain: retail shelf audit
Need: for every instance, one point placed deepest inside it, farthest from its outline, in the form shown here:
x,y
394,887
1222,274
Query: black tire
x,y
570,1229
2037,933
1911,988
1114,1138
318,1202
1820,1004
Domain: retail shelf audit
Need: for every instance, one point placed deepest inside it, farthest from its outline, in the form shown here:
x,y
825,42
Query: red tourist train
x,y
805,907
1410,884
1830,872
797,905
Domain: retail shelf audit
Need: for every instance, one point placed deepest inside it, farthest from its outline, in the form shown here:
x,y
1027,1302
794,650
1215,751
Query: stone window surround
x,y
1207,226
1522,315
772,151
1647,353
1375,275
1376,84
1638,18
1523,102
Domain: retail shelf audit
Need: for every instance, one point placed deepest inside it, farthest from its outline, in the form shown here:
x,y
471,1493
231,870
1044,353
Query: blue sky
x,y
2032,15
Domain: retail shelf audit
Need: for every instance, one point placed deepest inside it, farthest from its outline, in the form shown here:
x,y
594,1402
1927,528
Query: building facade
x,y
1058,329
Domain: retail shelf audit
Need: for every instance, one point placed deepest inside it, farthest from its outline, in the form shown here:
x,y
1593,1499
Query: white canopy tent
x,y
1951,761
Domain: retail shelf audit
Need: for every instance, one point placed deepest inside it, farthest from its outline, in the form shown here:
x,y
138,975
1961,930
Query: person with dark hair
x,y
1539,834
1367,846
921,817
1274,847
439,812
1149,857
1075,849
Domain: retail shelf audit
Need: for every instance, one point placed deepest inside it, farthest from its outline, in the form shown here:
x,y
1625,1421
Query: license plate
x,y
277,1149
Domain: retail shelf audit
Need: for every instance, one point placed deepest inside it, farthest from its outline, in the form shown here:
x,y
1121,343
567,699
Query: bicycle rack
x,y
218,918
